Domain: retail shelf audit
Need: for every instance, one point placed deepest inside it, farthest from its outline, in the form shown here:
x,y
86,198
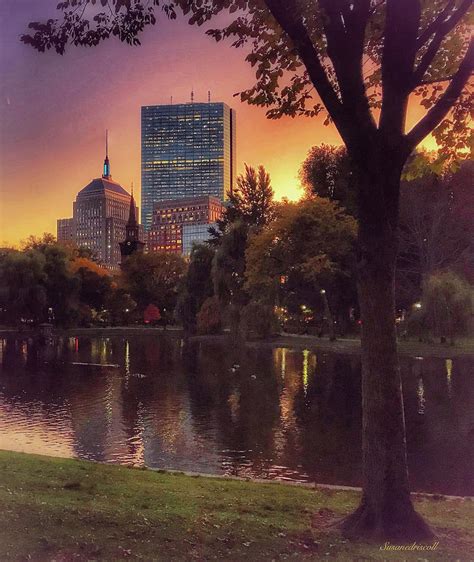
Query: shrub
x,y
209,317
257,320
151,314
447,304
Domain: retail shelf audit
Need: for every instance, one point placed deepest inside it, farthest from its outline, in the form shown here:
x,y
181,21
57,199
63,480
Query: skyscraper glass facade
x,y
188,150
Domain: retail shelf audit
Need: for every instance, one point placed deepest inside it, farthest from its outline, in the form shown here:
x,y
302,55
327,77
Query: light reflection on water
x,y
208,407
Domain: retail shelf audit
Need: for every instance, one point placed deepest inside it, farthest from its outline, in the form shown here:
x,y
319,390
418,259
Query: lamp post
x,y
327,312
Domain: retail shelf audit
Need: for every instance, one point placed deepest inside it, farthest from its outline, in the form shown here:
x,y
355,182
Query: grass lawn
x,y
65,510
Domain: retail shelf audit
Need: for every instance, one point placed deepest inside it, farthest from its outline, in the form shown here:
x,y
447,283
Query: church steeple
x,y
132,242
132,219
107,175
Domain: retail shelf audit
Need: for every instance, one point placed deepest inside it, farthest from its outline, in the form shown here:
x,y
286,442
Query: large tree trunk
x,y
386,510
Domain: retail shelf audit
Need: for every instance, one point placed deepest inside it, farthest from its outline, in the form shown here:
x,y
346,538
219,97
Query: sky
x,y
54,111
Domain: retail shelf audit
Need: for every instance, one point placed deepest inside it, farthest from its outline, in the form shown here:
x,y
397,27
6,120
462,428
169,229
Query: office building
x,y
66,232
195,234
172,218
100,215
188,150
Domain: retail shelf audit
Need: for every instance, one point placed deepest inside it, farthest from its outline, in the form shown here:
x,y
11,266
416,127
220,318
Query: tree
x,y
251,202
253,196
351,58
22,291
228,271
95,282
436,232
154,279
38,242
61,284
326,172
257,320
120,306
310,245
197,286
447,302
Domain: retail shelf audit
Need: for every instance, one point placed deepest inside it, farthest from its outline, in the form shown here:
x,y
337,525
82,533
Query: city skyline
x,y
54,111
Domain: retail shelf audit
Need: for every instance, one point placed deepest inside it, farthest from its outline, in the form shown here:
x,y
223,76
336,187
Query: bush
x,y
152,314
257,320
446,306
447,301
209,317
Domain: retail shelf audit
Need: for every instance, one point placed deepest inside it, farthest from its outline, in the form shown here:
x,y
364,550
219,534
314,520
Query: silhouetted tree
x,y
154,279
326,172
250,202
436,229
253,196
196,286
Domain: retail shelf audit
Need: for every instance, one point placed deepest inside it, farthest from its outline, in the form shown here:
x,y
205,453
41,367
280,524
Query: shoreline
x,y
249,479
346,346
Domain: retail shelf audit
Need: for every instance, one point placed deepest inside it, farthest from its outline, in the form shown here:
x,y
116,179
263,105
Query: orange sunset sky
x,y
54,111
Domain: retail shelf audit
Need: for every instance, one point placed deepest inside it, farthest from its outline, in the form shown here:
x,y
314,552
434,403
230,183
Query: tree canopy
x,y
310,245
326,172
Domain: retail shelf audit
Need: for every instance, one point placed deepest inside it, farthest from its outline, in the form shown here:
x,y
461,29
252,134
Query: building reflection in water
x,y
208,407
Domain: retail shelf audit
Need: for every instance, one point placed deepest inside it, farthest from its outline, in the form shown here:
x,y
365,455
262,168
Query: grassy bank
x,y
59,509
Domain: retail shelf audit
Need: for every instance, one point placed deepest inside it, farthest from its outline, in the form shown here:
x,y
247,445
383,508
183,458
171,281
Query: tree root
x,y
400,524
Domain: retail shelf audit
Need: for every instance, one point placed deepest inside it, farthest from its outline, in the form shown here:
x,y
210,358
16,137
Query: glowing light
x,y
421,396
449,374
127,358
305,370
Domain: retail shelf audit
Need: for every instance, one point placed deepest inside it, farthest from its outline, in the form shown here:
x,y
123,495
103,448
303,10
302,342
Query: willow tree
x,y
359,61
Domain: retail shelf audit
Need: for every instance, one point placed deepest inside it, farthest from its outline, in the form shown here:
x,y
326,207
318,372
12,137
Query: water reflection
x,y
214,408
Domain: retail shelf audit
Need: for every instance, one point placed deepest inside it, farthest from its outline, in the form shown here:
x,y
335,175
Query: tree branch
x,y
293,26
440,31
433,26
439,111
345,32
436,80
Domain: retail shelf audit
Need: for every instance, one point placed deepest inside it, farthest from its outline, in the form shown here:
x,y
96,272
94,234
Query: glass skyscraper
x,y
188,150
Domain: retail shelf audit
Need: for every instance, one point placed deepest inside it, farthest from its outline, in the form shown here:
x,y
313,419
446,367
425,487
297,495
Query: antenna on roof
x,y
209,96
132,188
171,100
192,95
106,173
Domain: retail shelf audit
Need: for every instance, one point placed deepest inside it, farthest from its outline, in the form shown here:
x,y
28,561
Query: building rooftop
x,y
99,185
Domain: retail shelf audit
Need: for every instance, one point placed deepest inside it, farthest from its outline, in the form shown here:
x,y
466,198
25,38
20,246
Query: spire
x,y
132,219
106,175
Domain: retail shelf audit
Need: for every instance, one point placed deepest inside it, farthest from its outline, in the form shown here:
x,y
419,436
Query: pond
x,y
212,407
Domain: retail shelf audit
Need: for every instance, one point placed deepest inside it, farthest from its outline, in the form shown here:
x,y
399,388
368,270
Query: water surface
x,y
210,407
